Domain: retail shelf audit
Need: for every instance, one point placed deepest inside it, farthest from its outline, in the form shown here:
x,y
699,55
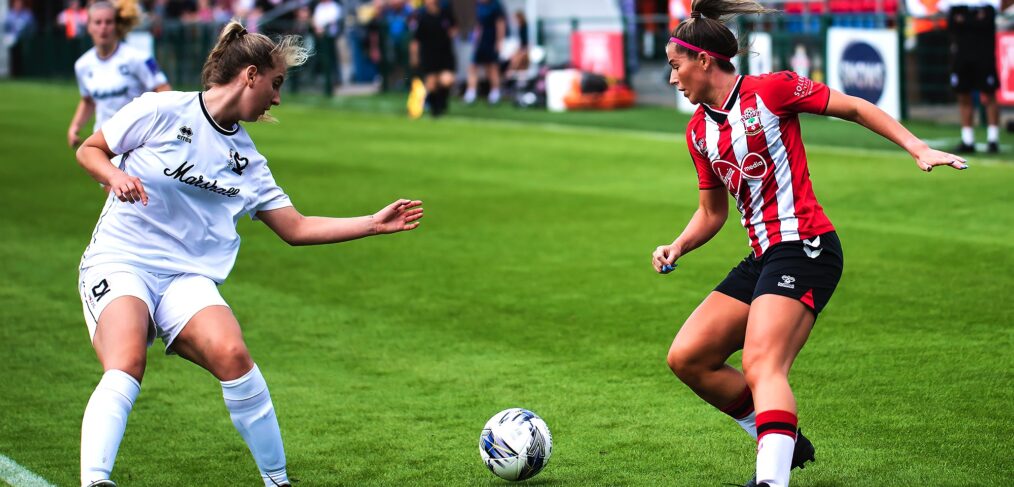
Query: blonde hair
x,y
236,49
128,14
705,27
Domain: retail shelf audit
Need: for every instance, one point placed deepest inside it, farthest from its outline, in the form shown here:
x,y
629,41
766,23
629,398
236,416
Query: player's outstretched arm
x,y
872,117
94,155
711,214
296,229
83,113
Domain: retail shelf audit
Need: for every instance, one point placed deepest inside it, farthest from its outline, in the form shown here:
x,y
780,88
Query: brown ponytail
x,y
706,29
237,48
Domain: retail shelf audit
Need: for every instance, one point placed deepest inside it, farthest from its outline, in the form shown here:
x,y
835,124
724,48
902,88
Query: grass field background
x,y
527,285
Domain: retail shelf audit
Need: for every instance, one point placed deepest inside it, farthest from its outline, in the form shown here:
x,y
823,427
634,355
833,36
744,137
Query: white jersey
x,y
115,81
200,179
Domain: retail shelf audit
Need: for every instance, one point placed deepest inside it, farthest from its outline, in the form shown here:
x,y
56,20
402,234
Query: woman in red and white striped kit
x,y
745,139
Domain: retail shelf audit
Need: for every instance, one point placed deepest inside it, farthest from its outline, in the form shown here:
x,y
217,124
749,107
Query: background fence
x,y
797,42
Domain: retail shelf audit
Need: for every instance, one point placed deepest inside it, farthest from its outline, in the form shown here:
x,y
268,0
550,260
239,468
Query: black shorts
x,y
973,48
806,270
434,61
975,71
486,53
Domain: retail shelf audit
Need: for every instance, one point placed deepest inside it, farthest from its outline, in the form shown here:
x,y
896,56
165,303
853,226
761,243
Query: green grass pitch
x,y
528,285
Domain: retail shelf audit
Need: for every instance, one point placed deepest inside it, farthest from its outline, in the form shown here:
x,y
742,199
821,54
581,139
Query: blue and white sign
x,y
864,63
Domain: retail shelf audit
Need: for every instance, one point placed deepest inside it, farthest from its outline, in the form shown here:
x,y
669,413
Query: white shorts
x,y
172,299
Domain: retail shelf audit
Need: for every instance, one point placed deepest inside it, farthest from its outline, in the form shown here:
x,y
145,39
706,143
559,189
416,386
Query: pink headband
x,y
697,49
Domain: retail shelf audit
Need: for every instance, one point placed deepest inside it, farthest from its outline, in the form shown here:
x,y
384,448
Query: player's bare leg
x,y
120,342
967,144
712,333
992,122
213,340
776,331
493,73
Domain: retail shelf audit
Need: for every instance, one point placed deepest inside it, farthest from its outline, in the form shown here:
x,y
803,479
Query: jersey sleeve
x,y
787,93
130,127
706,178
149,74
269,195
79,73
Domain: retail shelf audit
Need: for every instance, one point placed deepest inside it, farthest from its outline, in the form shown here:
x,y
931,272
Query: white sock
x,y
252,413
967,136
993,133
469,95
749,424
494,96
105,419
774,459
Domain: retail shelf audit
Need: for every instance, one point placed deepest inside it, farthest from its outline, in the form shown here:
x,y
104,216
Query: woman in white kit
x,y
111,74
167,237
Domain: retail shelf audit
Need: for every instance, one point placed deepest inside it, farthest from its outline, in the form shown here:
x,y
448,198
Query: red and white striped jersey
x,y
752,146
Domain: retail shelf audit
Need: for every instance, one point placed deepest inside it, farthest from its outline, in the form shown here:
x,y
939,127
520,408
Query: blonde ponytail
x,y
127,14
237,48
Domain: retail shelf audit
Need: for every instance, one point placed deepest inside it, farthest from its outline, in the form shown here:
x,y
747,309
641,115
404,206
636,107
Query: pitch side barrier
x,y
795,40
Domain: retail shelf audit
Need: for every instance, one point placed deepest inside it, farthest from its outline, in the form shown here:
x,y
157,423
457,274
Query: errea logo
x,y
186,133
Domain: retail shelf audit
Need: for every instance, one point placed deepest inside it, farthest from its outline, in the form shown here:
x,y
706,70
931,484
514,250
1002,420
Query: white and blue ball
x,y
515,444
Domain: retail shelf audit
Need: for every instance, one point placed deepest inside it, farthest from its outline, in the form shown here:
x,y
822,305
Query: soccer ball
x,y
515,444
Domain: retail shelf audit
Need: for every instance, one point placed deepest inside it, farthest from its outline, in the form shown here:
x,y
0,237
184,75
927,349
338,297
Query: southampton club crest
x,y
751,122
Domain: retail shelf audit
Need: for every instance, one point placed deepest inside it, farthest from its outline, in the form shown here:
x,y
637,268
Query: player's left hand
x,y
400,216
931,158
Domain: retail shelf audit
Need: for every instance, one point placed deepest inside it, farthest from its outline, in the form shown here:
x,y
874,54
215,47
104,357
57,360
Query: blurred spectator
x,y
17,26
185,10
519,60
74,18
204,12
432,52
488,40
972,26
396,15
327,25
221,12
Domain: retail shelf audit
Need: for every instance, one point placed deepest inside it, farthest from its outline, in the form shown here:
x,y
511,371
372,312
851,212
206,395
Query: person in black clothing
x,y
432,52
972,27
490,30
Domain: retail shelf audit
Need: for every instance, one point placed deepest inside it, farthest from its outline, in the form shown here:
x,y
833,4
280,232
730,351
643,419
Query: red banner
x,y
1005,67
598,52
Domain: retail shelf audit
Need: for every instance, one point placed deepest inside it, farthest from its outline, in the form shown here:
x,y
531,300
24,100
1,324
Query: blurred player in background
x,y
167,237
490,30
111,74
432,52
972,26
745,139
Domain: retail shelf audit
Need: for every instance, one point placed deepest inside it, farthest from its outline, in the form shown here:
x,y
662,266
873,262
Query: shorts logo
x,y
787,282
812,247
100,289
751,122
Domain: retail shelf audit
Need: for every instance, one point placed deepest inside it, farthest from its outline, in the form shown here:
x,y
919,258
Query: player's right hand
x,y
73,140
128,188
664,255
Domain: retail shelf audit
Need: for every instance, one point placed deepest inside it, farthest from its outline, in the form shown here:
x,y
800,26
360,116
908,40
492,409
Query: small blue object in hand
x,y
667,268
